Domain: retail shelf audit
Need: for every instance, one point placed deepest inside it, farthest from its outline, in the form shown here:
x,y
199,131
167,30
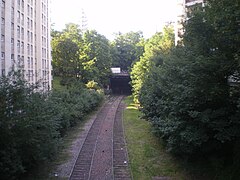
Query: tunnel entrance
x,y
120,83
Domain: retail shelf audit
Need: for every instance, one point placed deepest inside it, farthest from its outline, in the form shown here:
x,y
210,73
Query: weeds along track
x,y
120,155
100,156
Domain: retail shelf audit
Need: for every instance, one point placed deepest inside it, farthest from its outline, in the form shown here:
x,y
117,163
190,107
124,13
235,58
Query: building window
x,y
42,63
18,17
31,50
22,19
12,26
31,12
19,60
29,75
12,44
12,59
2,55
22,47
28,10
28,61
31,25
28,49
22,5
22,61
22,33
12,14
3,4
31,37
2,38
28,23
31,62
18,4
28,36
18,46
3,72
18,31
3,21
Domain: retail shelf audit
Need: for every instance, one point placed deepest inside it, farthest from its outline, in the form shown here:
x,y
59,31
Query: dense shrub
x,y
192,98
32,122
189,102
71,106
155,47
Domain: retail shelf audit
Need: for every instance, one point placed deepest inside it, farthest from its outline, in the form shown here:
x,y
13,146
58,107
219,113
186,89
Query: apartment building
x,y
25,40
184,7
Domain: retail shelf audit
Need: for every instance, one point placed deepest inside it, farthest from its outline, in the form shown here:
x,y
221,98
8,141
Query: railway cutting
x,y
104,154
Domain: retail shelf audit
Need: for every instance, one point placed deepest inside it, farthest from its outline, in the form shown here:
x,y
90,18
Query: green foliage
x,y
224,17
189,97
28,133
147,156
32,122
189,104
155,48
95,58
92,85
83,57
127,49
65,49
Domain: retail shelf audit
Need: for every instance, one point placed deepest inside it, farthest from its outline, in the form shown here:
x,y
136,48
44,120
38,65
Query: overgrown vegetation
x,y
33,122
148,157
81,56
88,56
126,49
191,94
154,50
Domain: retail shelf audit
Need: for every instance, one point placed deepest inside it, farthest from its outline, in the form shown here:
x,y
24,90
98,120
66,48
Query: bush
x,y
28,129
72,106
32,122
189,101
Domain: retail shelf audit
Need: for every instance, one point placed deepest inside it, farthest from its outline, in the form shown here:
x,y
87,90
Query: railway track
x,y
104,154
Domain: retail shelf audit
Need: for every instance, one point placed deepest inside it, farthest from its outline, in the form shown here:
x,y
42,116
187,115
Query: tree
x,y
32,122
65,50
188,97
156,47
96,58
127,49
82,57
28,131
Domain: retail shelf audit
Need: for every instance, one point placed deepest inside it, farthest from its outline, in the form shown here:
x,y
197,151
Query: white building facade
x,y
25,40
183,7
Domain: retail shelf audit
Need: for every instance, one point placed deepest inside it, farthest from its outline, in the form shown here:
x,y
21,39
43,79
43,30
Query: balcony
x,y
192,2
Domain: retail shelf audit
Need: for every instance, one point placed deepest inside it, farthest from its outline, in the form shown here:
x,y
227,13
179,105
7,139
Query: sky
x,y
112,16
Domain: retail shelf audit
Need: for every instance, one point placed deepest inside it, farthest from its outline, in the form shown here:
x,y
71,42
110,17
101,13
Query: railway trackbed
x,y
104,153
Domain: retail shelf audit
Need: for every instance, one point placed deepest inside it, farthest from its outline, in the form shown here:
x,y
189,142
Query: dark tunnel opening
x,y
120,84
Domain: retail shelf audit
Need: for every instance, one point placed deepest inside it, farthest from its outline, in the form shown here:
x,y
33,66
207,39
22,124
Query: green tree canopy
x,y
127,49
65,50
189,98
83,57
155,48
96,58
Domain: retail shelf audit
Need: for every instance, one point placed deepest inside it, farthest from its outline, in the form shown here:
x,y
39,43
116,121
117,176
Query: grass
x,y
148,157
56,84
